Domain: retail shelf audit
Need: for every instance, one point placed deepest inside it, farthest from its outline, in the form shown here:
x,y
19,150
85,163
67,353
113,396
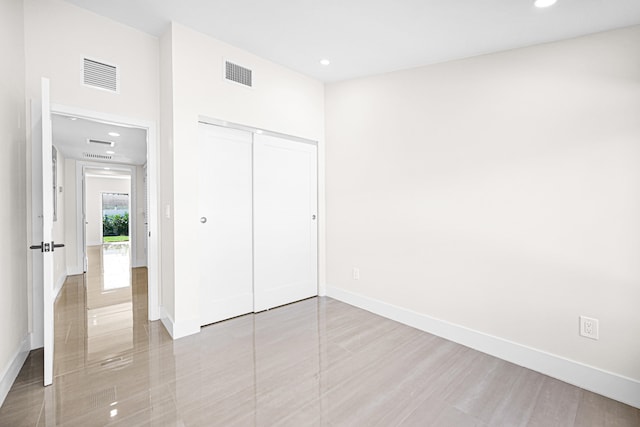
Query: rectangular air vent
x,y
99,142
238,74
96,156
100,75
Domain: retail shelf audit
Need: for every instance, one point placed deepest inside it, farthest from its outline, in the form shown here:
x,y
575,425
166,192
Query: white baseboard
x,y
178,330
10,372
322,290
74,271
614,386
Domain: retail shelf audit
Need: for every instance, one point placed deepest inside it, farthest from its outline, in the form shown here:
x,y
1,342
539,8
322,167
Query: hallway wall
x,y
59,226
141,234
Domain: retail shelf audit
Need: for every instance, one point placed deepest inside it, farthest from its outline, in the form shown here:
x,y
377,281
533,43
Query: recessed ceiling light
x,y
107,169
111,152
258,131
544,3
325,62
73,118
114,134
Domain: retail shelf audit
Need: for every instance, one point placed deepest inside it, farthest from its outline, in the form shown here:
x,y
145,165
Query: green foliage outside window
x,y
115,225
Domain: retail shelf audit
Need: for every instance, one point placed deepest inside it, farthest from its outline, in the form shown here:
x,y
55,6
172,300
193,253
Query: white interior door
x,y
285,221
42,231
225,205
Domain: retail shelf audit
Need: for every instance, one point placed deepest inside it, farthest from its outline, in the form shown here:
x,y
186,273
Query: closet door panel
x,y
225,204
285,221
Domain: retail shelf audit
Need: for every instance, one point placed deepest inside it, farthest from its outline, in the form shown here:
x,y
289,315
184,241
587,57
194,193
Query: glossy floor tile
x,y
316,362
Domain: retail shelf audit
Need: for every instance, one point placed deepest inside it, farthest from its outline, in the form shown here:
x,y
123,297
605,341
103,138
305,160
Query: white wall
x,y
281,100
58,35
500,193
94,187
59,255
167,282
13,211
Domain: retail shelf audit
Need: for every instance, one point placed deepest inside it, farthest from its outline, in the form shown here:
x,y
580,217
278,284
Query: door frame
x,y
81,229
153,195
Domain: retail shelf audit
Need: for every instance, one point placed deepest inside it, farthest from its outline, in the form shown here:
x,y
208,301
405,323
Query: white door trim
x,y
153,256
230,125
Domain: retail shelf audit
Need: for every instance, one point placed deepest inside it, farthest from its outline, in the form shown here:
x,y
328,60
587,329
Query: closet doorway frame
x,y
320,194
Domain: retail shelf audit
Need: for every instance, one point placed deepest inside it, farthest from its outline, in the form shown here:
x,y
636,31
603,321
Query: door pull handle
x,y
44,247
40,246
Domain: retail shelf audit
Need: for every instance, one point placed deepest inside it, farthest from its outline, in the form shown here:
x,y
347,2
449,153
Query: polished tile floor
x,y
315,362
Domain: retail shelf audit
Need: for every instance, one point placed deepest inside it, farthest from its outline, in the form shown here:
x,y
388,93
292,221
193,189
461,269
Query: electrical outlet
x,y
356,273
589,327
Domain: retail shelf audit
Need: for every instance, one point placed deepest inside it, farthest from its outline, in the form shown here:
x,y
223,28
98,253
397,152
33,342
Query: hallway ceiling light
x,y
114,134
111,152
544,3
107,169
325,62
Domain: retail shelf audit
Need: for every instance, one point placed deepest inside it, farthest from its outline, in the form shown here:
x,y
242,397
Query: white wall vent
x,y
100,142
100,75
238,74
96,156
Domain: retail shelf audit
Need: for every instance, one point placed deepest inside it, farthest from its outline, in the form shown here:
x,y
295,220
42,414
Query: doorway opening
x,y
110,153
107,202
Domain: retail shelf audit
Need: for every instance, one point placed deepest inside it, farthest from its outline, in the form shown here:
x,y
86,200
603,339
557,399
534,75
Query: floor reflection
x,y
115,266
101,316
109,301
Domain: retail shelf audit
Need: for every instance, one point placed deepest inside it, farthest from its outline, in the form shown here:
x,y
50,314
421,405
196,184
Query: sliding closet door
x,y
285,221
225,203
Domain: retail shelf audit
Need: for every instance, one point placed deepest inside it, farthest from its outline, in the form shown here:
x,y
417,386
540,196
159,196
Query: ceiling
x,y
365,37
70,135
